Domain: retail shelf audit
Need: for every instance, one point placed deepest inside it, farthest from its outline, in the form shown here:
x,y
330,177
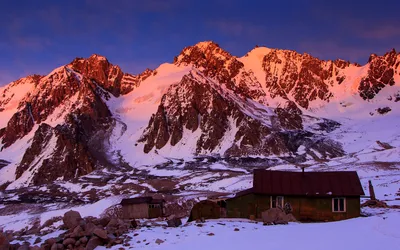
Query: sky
x,y
38,36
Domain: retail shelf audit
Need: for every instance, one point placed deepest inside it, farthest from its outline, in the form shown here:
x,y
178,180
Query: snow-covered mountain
x,y
271,104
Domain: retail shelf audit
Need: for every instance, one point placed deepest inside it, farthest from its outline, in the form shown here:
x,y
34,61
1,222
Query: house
x,y
142,207
309,196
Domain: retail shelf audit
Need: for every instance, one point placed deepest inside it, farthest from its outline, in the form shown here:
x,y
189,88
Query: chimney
x,y
302,169
371,191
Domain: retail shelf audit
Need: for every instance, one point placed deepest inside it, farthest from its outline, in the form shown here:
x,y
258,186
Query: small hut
x,y
142,207
208,209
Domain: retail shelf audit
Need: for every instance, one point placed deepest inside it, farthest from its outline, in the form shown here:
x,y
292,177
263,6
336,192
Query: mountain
x,y
271,105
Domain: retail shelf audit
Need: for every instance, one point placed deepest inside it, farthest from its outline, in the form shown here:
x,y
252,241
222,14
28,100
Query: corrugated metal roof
x,y
141,200
344,183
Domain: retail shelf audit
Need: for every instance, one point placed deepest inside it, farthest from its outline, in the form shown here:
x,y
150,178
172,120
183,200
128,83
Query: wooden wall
x,y
155,212
304,208
135,211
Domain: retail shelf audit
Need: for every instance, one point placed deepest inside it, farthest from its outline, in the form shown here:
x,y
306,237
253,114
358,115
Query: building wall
x,y
155,212
135,211
303,208
246,205
320,209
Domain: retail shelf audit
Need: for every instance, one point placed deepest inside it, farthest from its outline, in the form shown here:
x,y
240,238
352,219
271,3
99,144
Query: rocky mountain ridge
x,y
89,114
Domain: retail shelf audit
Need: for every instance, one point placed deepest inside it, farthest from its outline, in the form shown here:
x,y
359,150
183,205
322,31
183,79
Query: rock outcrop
x,y
380,74
197,105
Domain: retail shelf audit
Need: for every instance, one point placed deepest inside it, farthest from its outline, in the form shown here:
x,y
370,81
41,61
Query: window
x,y
277,201
154,205
338,205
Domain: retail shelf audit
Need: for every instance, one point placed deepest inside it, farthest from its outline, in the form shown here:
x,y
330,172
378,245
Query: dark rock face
x,y
75,149
384,110
108,76
216,62
3,163
221,66
185,106
308,82
20,124
52,91
380,74
290,116
195,104
41,139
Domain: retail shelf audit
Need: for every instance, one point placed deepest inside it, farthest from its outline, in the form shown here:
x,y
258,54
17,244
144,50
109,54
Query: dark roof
x,y
141,200
345,183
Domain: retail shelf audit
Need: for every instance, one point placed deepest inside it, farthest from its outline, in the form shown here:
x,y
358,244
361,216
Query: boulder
x,y
93,243
158,241
72,219
24,246
89,228
77,243
275,216
69,241
281,222
52,241
134,224
77,232
103,221
83,240
174,222
57,246
101,233
113,222
4,243
375,204
290,218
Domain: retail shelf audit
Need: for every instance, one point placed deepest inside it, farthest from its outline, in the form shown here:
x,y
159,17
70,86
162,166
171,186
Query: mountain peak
x,y
98,57
207,44
202,51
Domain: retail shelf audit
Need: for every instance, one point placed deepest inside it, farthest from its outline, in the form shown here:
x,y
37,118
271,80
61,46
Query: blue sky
x,y
38,36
